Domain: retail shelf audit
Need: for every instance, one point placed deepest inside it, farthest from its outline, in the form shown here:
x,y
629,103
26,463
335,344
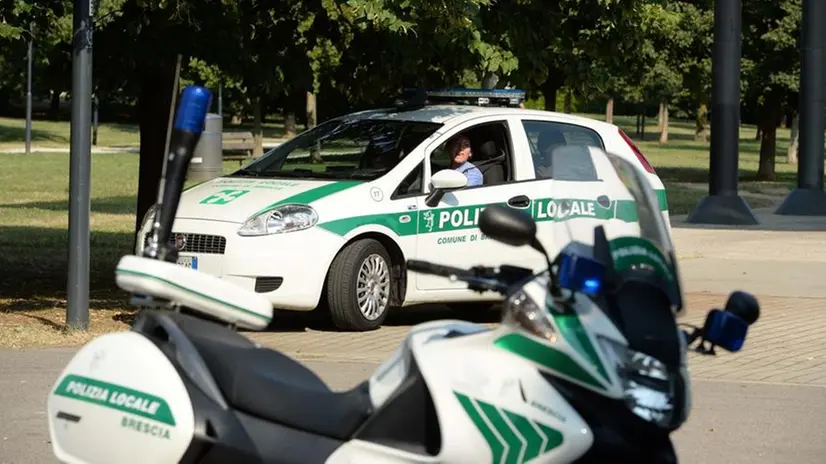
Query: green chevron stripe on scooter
x,y
547,357
512,438
575,334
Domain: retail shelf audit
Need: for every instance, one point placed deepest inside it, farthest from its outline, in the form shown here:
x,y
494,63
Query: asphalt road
x,y
732,422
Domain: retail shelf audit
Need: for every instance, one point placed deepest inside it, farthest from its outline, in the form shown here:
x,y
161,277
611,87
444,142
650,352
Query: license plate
x,y
188,261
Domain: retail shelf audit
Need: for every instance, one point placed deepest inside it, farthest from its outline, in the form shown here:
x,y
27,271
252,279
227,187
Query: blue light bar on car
x,y
479,97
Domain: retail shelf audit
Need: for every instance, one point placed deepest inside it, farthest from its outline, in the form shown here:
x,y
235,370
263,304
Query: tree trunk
x,y
54,105
663,122
490,80
568,97
660,117
609,111
154,101
549,93
315,151
759,135
791,154
257,130
768,142
642,125
701,121
289,124
639,124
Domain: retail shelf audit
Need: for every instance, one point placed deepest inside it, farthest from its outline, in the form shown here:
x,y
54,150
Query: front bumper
x,y
287,269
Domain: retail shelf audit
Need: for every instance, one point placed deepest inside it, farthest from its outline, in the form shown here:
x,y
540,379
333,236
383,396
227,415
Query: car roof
x,y
454,114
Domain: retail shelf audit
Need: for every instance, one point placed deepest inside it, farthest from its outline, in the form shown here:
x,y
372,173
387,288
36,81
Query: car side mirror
x,y
444,181
510,226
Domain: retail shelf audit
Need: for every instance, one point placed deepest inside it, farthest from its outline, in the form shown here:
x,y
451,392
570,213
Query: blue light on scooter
x,y
580,273
591,286
192,109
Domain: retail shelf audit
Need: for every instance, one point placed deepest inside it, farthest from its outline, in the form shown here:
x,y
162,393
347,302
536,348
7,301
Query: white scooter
x,y
588,364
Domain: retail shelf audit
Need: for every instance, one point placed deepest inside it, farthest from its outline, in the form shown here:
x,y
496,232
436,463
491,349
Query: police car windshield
x,y
343,149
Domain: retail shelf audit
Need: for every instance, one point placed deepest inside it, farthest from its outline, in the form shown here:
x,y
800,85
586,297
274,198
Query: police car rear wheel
x,y
359,286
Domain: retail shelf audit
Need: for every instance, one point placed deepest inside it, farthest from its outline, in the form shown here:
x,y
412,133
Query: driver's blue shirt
x,y
473,174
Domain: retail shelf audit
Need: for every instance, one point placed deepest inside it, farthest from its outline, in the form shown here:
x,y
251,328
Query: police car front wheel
x,y
359,286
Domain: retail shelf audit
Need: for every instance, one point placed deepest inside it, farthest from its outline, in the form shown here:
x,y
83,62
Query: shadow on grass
x,y
108,205
34,268
653,137
18,134
47,322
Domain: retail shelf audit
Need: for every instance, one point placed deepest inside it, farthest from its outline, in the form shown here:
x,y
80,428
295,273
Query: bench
x,y
238,144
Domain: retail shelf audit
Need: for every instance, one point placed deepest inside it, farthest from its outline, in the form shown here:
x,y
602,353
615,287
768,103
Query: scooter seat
x,y
270,385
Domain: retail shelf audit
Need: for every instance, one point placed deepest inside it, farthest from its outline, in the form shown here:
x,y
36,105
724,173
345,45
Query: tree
x,y
696,30
771,68
581,43
19,21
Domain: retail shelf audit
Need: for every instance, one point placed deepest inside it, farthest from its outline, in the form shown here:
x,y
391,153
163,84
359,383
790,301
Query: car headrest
x,y
549,138
488,150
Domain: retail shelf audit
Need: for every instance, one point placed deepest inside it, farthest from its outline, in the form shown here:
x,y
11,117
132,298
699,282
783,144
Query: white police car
x,y
329,217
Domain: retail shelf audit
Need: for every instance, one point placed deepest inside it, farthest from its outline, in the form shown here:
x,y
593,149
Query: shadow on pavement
x,y
319,320
767,221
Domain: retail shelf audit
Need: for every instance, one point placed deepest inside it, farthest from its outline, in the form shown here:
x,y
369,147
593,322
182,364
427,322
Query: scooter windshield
x,y
621,199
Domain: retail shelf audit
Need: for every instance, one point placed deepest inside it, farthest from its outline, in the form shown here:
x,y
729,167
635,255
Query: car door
x,y
448,232
575,197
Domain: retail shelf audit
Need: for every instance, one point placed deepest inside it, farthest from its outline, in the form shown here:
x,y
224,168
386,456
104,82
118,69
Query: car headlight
x,y
279,220
146,227
649,387
522,311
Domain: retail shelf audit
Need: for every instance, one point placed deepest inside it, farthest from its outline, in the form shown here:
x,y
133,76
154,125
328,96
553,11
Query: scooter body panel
x,y
492,406
120,400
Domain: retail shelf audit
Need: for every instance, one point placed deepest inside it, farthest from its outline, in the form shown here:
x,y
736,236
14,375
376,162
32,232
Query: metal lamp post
x,y
80,166
29,60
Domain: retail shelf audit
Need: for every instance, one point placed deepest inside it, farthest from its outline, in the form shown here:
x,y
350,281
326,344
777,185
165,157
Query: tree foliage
x,y
361,53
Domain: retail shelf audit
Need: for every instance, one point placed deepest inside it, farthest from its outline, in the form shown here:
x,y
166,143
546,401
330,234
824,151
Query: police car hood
x,y
231,199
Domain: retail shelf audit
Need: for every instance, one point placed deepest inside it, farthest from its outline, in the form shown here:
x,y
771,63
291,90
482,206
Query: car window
x,y
411,185
344,149
490,153
546,137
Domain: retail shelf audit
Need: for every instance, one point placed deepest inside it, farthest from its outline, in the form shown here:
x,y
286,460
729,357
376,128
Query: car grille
x,y
267,284
198,243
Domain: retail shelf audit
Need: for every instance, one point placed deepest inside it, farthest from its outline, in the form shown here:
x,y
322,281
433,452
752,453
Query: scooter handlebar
x,y
479,279
424,267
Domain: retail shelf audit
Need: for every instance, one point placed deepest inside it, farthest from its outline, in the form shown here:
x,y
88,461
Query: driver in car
x,y
460,153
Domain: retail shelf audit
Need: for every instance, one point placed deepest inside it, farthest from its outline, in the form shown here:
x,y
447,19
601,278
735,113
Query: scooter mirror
x,y
507,225
725,329
744,305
